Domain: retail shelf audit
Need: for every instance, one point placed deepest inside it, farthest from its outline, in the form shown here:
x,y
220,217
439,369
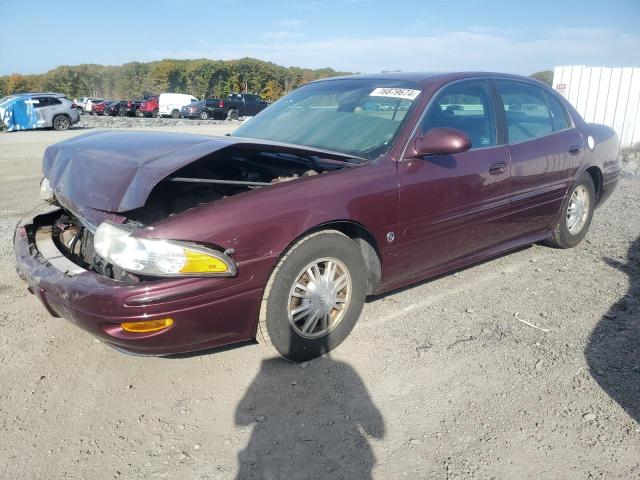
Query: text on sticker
x,y
406,93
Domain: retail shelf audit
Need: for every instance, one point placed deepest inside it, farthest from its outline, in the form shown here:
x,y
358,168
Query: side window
x,y
54,101
559,116
40,102
465,106
526,110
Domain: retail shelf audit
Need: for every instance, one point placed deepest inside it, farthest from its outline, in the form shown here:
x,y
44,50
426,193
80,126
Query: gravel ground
x,y
106,121
526,366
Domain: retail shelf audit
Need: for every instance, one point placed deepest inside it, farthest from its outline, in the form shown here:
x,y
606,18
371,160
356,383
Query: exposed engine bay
x,y
221,174
226,173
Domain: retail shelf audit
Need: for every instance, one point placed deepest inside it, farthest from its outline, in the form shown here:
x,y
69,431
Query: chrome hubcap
x,y
319,298
578,210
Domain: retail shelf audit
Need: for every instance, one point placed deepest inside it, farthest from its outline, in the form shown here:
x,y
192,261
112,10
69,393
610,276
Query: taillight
x,y
73,105
221,104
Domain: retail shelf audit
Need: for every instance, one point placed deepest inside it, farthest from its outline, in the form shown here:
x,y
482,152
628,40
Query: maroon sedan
x,y
347,187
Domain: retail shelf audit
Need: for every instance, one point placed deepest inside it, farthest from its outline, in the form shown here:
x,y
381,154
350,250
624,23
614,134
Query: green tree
x,y
272,91
545,76
18,84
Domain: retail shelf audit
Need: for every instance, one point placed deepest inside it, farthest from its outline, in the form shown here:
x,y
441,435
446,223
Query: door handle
x,y
574,149
498,168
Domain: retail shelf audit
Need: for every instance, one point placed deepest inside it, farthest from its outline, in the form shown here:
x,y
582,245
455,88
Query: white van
x,y
169,104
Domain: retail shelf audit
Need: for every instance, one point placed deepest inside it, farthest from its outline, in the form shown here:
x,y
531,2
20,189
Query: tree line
x,y
202,78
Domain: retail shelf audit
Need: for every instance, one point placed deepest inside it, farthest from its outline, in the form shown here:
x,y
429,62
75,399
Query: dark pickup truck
x,y
234,106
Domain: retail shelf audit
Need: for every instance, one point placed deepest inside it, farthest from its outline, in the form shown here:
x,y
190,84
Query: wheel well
x,y
596,176
367,244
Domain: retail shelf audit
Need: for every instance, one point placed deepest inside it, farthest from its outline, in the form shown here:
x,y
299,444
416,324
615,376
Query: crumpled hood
x,y
115,171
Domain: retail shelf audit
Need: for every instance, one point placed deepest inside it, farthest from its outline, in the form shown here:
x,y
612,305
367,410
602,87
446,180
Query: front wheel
x,y
576,215
139,113
314,296
204,115
175,114
155,113
232,114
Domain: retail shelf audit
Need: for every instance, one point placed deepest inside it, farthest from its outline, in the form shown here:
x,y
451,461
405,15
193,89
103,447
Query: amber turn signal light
x,y
147,325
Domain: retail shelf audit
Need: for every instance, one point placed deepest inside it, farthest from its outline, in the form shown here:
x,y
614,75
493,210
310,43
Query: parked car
x,y
88,105
148,108
240,105
26,111
98,107
204,109
112,108
130,107
170,104
81,104
279,231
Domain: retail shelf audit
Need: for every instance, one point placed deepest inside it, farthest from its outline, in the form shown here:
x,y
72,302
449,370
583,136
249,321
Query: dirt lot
x,y
443,380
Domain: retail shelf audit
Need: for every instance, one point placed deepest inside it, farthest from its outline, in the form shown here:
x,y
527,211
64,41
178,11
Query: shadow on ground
x,y
613,351
308,421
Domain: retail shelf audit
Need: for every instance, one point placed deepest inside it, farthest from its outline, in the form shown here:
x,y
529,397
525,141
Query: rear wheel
x,y
314,297
122,112
204,115
61,122
232,114
576,215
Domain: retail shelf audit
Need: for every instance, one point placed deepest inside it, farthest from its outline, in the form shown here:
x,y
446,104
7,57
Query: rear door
x,y
44,110
546,150
453,207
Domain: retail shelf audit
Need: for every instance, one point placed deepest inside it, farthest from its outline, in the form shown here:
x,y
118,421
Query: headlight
x,y
166,258
46,192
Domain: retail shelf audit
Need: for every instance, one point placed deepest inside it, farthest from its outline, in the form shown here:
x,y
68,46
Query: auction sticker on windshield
x,y
405,93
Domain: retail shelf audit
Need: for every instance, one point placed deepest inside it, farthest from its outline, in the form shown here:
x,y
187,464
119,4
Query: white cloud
x,y
291,23
462,50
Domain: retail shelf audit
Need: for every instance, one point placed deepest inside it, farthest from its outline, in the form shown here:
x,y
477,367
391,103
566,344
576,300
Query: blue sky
x,y
356,35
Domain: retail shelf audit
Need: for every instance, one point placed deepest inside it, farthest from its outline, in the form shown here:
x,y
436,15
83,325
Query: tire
x,y
80,110
139,113
567,233
276,328
154,114
204,115
61,123
232,114
175,114
122,112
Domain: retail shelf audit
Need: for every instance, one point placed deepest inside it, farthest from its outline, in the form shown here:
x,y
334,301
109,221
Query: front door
x,y
453,207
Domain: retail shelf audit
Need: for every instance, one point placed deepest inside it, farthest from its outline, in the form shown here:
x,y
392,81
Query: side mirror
x,y
439,141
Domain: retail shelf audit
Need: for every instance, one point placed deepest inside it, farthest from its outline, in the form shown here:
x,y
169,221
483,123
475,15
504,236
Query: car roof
x,y
45,94
423,78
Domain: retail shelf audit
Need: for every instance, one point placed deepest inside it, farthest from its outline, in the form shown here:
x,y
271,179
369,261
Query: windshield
x,y
354,116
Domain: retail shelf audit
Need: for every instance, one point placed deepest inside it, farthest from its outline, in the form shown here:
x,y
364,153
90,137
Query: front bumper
x,y
207,312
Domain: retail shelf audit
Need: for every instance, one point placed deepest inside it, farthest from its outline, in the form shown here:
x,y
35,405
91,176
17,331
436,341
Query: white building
x,y
604,95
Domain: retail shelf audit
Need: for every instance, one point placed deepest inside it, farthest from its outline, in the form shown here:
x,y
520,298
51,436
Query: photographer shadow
x,y
310,420
613,350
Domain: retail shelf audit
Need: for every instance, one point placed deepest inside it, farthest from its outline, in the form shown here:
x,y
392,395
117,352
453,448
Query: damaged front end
x,y
105,196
